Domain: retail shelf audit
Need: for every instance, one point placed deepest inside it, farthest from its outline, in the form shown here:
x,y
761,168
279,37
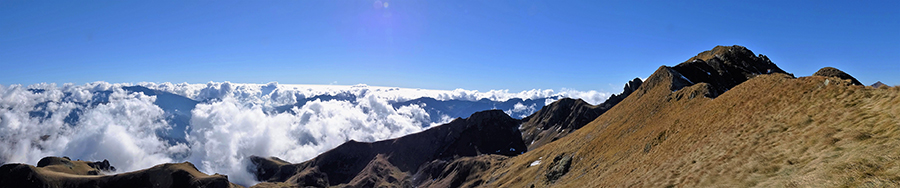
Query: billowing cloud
x,y
226,122
36,122
520,108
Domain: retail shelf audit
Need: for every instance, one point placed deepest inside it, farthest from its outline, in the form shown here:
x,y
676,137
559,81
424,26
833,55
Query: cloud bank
x,y
218,125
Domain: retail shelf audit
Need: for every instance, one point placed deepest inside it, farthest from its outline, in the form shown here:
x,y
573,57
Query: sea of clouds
x,y
218,125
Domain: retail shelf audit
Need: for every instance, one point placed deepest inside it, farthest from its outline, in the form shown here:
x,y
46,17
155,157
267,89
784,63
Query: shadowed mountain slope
x,y
391,161
556,120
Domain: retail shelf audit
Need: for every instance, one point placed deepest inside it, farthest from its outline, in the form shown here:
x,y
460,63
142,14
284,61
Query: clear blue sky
x,y
470,44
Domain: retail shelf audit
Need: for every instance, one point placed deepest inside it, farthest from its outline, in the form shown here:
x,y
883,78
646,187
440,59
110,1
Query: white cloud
x,y
226,132
287,93
592,97
122,130
522,109
227,129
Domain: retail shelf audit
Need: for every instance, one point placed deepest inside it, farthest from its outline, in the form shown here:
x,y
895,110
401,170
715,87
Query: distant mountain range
x,y
178,108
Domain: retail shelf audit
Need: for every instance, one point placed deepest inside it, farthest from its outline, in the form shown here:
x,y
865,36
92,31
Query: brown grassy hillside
x,y
62,172
771,131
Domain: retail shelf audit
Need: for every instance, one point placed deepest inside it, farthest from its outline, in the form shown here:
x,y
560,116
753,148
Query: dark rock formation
x,y
630,87
878,84
834,72
559,167
359,163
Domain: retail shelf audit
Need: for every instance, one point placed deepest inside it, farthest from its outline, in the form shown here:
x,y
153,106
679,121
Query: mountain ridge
x,y
486,132
725,117
773,130
563,116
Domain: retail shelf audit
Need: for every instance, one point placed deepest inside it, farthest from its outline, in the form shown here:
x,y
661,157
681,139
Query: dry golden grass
x,y
771,131
162,175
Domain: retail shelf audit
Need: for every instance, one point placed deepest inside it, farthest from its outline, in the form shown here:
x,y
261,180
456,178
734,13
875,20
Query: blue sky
x,y
478,44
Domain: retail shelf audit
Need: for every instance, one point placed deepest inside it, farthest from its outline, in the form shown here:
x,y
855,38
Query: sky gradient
x,y
477,45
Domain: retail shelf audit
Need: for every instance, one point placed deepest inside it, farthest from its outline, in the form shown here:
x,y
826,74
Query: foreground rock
x,y
63,172
392,162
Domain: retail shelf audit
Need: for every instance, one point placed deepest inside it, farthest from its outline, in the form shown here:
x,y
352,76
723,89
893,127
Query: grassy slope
x,y
771,131
162,175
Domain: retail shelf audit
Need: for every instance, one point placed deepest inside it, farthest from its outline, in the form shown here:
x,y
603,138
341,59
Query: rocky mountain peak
x,y
487,132
487,116
721,68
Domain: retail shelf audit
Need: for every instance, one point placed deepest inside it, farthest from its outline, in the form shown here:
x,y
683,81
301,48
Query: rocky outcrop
x,y
559,167
630,87
360,163
834,72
